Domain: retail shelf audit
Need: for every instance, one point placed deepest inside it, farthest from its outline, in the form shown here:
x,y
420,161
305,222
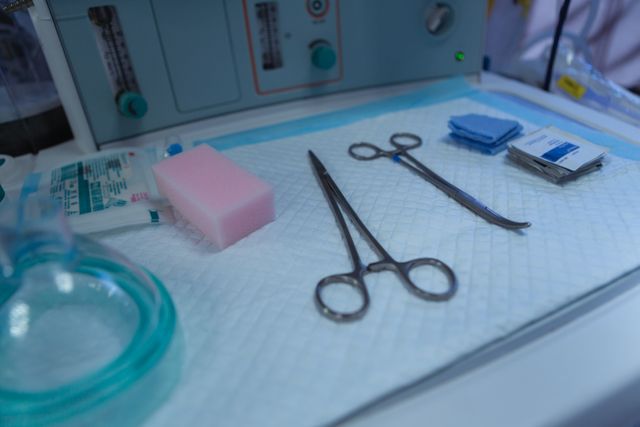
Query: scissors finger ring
x,y
366,151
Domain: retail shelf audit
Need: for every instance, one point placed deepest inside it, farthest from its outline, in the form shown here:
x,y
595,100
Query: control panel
x,y
293,47
144,65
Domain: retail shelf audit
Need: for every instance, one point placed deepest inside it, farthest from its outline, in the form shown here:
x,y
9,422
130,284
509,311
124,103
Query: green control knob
x,y
323,56
132,104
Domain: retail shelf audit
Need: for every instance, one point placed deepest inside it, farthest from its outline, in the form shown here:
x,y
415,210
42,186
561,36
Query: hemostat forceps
x,y
367,151
355,278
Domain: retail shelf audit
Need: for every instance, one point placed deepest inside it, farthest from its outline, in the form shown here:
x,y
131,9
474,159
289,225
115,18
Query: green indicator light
x,y
459,56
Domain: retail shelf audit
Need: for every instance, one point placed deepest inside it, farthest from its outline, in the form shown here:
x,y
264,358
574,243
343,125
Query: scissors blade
x,y
317,164
336,200
330,194
460,196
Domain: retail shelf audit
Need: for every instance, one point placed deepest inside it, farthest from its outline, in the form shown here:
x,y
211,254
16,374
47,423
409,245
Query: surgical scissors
x,y
359,151
355,278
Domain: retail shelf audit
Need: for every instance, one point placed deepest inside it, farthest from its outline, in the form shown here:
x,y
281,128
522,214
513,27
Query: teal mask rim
x,y
146,348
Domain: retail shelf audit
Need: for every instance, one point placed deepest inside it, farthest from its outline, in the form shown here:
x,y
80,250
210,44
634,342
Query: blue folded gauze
x,y
484,133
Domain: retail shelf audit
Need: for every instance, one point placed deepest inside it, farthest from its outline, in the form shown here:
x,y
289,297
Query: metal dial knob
x,y
132,104
323,56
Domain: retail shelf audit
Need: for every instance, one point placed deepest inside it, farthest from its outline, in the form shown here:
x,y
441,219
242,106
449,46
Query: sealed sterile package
x,y
103,191
556,155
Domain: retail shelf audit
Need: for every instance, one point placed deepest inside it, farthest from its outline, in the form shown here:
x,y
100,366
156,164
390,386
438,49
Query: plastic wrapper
x,y
104,191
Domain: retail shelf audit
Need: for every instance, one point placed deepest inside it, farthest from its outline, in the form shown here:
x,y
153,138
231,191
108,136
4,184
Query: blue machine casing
x,y
203,58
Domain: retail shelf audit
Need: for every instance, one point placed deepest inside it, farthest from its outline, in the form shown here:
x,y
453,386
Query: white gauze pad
x,y
220,198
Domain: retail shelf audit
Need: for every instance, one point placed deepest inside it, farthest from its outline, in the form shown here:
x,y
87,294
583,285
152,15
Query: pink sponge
x,y
223,200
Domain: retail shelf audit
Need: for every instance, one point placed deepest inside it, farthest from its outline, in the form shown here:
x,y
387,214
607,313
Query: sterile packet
x,y
104,191
557,155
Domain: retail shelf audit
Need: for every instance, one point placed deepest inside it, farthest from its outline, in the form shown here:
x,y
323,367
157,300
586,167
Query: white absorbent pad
x,y
258,353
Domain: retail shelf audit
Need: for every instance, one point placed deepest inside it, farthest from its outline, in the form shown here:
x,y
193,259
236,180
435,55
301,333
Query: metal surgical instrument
x,y
355,278
367,151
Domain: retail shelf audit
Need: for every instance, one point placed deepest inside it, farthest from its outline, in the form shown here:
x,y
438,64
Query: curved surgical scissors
x,y
367,151
355,278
